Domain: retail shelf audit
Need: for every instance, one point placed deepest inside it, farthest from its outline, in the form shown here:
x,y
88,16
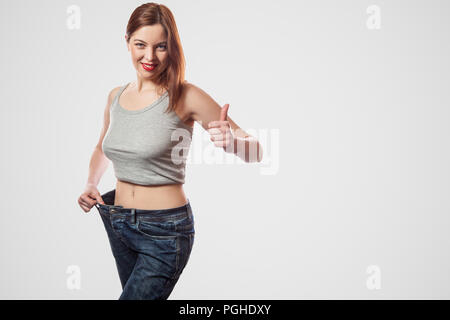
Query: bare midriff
x,y
129,195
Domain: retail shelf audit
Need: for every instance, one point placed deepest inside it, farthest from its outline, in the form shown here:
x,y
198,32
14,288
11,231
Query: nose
x,y
149,54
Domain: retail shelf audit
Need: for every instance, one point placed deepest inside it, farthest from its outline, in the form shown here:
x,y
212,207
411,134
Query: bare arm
x,y
204,109
99,163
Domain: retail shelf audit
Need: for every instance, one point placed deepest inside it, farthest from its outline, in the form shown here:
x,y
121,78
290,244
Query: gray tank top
x,y
147,146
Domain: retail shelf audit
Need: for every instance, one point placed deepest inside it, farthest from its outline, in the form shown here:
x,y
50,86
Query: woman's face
x,y
148,48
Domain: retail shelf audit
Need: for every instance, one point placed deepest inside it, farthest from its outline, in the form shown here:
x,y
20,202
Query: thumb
x,y
99,199
223,112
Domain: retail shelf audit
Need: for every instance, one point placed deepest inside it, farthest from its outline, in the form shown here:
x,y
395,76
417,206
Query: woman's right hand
x,y
89,198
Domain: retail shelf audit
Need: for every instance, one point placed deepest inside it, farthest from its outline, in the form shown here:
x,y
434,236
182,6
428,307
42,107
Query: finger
x,y
222,143
213,131
219,124
218,137
99,199
214,124
224,112
90,196
90,200
83,206
84,203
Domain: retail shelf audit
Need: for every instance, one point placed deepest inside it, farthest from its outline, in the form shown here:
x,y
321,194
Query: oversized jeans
x,y
150,247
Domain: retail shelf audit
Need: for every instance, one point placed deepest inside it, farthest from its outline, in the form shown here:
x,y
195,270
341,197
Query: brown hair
x,y
172,77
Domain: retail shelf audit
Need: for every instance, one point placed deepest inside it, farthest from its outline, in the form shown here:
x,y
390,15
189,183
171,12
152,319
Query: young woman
x,y
147,217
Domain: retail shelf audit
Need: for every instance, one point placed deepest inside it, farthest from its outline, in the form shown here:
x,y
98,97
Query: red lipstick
x,y
148,67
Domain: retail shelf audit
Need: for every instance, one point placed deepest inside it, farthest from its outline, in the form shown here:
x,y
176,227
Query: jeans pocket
x,y
157,230
185,225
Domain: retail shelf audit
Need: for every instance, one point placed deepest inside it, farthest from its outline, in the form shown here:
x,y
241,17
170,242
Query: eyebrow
x,y
146,42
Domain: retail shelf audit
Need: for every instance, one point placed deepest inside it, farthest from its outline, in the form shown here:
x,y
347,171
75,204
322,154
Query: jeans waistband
x,y
157,215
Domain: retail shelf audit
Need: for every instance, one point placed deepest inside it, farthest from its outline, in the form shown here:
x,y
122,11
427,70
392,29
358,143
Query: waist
x,y
158,197
161,215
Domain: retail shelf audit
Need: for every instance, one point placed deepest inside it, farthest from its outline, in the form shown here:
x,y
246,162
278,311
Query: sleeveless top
x,y
147,146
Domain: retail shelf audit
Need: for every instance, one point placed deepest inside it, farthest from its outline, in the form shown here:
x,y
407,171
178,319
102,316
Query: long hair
x,y
172,77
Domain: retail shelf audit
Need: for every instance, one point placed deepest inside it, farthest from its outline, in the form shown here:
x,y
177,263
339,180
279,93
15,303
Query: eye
x,y
139,44
163,46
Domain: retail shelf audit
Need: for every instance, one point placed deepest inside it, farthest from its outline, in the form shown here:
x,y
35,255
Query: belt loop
x,y
133,215
189,210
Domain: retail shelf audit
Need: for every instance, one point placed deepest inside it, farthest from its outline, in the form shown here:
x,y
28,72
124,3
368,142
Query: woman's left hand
x,y
220,131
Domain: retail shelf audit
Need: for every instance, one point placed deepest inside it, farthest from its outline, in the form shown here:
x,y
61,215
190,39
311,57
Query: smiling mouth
x,y
149,67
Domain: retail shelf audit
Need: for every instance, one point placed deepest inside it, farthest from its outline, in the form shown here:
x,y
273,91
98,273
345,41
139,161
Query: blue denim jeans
x,y
150,247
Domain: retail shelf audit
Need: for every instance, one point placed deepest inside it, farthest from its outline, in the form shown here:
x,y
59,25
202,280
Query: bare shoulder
x,y
203,109
193,93
111,97
194,98
106,119
112,94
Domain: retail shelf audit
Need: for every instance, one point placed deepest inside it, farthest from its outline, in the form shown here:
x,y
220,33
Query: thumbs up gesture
x,y
220,131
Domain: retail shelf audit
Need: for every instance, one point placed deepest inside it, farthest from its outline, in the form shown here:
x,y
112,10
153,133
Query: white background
x,y
358,161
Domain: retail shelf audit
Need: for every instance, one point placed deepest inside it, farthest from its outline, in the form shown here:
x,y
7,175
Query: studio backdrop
x,y
349,100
